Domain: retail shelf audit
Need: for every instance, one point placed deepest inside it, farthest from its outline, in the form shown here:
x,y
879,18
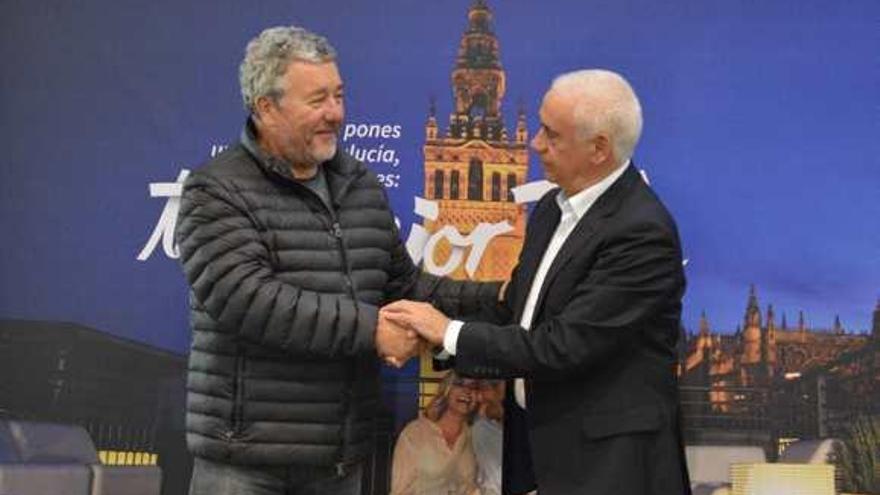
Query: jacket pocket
x,y
638,419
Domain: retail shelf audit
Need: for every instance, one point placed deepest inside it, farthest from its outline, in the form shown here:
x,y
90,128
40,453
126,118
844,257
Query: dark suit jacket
x,y
599,358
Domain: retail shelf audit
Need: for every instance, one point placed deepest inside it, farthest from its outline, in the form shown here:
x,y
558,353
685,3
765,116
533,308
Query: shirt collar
x,y
581,202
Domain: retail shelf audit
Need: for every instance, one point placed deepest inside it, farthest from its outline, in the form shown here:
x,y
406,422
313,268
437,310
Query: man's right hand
x,y
394,343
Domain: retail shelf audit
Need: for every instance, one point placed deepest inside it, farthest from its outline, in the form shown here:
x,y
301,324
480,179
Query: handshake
x,y
404,327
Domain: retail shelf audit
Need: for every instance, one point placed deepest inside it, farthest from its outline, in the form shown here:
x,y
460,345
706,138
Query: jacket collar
x,y
612,198
609,202
341,170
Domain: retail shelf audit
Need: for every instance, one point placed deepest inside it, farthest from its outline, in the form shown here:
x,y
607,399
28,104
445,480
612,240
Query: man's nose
x,y
334,111
537,142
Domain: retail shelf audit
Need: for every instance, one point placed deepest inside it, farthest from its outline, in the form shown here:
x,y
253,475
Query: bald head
x,y
603,102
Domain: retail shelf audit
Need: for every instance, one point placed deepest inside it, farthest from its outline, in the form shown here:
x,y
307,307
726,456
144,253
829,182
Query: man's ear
x,y
264,108
604,149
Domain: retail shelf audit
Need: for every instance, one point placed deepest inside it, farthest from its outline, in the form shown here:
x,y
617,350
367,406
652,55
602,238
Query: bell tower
x,y
472,166
478,81
752,338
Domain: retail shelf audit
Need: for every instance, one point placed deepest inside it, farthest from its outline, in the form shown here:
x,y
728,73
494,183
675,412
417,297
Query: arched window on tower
x,y
496,186
438,184
475,180
453,185
511,183
479,105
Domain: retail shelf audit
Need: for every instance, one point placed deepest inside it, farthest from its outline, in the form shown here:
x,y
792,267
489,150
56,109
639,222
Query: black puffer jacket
x,y
284,301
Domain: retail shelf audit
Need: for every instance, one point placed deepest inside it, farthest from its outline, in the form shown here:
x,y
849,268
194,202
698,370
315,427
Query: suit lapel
x,y
586,227
541,229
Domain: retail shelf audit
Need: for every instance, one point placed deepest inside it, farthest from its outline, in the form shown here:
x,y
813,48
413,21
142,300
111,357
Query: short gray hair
x,y
267,57
604,102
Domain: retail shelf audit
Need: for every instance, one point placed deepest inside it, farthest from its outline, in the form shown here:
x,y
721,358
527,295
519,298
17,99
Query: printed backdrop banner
x,y
760,135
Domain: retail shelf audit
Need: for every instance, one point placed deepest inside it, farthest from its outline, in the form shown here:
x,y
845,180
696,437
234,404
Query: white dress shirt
x,y
572,209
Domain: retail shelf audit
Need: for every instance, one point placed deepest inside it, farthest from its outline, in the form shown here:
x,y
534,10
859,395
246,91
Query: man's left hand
x,y
395,343
421,317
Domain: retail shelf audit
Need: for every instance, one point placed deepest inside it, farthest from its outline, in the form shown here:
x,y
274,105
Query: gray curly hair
x,y
267,56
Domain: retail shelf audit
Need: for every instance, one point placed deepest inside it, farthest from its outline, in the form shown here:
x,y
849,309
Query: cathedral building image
x,y
472,162
764,350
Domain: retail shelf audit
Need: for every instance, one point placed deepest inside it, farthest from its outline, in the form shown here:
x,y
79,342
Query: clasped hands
x,y
404,327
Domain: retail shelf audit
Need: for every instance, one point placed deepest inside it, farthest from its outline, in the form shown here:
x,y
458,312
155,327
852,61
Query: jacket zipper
x,y
335,230
238,396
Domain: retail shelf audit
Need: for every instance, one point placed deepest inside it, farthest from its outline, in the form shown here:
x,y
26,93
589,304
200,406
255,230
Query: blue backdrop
x,y
761,126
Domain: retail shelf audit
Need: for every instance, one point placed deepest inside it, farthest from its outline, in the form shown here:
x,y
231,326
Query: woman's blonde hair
x,y
440,402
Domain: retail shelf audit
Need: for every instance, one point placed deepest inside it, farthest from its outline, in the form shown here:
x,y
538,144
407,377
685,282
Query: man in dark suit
x,y
590,319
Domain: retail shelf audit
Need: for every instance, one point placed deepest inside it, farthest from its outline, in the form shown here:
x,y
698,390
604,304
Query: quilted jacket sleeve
x,y
456,298
232,278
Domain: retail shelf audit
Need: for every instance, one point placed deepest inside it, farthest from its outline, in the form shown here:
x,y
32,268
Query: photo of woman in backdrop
x,y
434,454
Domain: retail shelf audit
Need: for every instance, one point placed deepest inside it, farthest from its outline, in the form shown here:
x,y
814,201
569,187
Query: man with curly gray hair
x,y
289,247
291,86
